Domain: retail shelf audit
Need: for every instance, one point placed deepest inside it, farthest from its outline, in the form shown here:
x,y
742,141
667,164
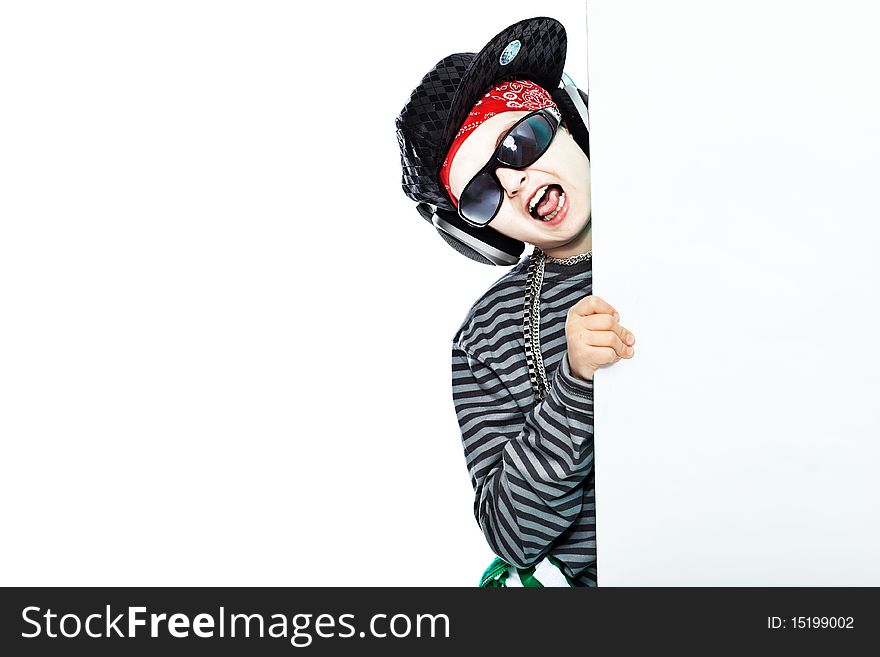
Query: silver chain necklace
x,y
532,316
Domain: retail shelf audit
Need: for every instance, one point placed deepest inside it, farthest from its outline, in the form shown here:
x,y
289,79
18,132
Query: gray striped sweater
x,y
531,464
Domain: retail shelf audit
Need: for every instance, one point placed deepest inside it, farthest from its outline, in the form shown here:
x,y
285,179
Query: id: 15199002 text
x,y
810,623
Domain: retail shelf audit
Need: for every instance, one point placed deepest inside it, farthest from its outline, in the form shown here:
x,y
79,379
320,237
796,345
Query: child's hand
x,y
594,337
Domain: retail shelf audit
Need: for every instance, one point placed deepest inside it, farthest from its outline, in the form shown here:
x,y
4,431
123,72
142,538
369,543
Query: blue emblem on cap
x,y
510,51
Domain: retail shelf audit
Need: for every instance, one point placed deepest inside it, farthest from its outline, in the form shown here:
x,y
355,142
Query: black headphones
x,y
487,245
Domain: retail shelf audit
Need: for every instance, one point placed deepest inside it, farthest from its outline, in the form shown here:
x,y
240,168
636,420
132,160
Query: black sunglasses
x,y
520,147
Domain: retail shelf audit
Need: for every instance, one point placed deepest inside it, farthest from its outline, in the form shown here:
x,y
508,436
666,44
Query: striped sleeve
x,y
526,468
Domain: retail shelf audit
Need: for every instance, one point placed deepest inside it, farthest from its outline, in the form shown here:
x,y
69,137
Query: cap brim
x,y
540,58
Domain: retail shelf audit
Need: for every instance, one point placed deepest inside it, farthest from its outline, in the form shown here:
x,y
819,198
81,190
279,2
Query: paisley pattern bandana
x,y
511,96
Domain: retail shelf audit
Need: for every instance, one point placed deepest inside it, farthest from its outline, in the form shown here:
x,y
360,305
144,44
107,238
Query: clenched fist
x,y
595,337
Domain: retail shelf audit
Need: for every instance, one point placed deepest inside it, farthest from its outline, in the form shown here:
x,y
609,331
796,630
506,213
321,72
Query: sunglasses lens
x,y
526,142
480,199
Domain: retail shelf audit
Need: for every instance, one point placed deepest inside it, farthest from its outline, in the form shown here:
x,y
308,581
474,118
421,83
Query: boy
x,y
487,148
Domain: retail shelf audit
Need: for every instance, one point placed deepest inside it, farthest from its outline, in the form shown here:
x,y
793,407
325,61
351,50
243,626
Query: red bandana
x,y
513,96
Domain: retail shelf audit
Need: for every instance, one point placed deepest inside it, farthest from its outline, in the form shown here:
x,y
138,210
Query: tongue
x,y
548,203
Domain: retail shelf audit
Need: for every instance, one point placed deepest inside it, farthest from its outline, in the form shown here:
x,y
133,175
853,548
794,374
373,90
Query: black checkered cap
x,y
428,123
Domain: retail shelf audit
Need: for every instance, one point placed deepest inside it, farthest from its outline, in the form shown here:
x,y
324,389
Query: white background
x,y
735,165
225,336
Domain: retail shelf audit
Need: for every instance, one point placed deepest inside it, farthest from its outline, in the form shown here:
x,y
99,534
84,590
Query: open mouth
x,y
547,202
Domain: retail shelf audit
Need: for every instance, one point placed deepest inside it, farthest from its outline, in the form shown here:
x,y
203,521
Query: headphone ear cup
x,y
463,248
484,245
573,119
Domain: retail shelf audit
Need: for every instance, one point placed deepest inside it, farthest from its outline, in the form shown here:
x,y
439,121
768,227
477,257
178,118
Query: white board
x,y
735,159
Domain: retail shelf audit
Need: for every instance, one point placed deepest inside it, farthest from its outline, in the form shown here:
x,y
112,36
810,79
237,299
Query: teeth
x,y
559,205
537,197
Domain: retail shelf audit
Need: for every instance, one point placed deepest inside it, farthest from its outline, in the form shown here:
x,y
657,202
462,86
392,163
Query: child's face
x,y
563,164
